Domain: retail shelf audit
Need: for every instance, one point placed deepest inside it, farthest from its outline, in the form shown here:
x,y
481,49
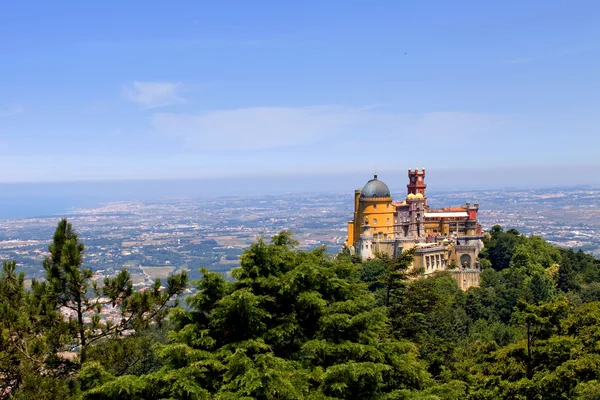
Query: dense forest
x,y
289,324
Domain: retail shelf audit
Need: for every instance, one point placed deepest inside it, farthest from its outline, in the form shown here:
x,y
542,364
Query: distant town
x,y
155,238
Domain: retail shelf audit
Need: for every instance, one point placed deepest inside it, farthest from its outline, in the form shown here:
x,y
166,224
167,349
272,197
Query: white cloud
x,y
272,127
257,127
152,94
12,110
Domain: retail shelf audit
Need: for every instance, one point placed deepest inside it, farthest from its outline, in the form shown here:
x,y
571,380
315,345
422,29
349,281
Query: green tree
x,y
305,325
432,313
567,278
539,322
541,286
292,324
557,358
371,273
500,247
130,355
499,292
534,251
68,281
395,273
31,330
72,288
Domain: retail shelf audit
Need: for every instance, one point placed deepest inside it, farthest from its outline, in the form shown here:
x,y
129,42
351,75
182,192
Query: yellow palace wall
x,y
378,213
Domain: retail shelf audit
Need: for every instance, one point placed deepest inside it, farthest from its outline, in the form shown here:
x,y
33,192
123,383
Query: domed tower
x,y
373,217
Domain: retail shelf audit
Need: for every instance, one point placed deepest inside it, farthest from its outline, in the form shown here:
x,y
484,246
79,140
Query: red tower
x,y
416,182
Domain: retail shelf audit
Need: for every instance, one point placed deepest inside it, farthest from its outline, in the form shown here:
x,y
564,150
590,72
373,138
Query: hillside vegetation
x,y
303,325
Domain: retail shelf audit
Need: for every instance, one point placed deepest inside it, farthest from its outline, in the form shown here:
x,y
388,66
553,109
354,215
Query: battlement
x,y
466,248
468,206
416,182
469,237
430,249
416,172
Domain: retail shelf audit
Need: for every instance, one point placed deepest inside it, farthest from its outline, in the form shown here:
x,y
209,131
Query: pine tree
x,y
31,331
68,281
72,288
567,278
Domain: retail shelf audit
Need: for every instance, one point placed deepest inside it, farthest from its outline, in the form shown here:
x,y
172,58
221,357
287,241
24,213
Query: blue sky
x,y
154,89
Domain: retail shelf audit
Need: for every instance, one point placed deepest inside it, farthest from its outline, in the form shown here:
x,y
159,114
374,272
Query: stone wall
x,y
466,278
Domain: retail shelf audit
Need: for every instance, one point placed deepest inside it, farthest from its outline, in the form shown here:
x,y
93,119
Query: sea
x,y
32,207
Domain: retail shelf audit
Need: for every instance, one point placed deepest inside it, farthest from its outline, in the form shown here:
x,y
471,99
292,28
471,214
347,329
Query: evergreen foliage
x,y
42,350
292,324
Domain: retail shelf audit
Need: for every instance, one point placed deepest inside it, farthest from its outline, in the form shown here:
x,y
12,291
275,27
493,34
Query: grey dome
x,y
375,188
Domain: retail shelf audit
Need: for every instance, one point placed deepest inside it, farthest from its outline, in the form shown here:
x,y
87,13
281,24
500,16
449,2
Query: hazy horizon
x,y
442,179
32,199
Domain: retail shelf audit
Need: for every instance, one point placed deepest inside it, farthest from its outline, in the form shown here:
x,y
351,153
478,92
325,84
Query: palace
x,y
445,239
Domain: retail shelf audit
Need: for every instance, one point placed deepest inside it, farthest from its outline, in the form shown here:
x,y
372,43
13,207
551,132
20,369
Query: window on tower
x,y
374,206
374,221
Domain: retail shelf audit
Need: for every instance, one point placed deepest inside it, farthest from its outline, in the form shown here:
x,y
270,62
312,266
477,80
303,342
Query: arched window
x,y
374,221
465,260
374,206
388,221
367,221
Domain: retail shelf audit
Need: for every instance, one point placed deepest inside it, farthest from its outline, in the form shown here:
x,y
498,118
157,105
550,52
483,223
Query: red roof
x,y
454,209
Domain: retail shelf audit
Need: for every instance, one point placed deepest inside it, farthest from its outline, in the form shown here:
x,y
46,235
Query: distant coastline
x,y
28,206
